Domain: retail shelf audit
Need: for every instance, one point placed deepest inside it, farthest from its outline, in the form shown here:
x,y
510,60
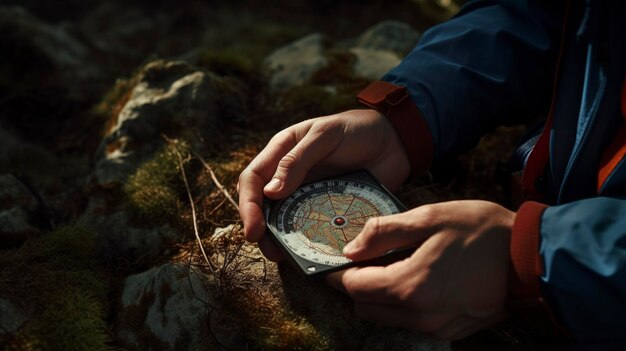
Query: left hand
x,y
453,285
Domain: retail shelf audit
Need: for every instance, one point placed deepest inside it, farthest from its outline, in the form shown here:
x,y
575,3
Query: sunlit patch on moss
x,y
291,334
152,192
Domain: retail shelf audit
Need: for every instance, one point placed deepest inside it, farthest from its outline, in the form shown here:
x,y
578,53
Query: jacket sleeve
x,y
582,252
491,64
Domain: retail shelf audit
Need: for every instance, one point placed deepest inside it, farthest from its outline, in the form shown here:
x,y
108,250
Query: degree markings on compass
x,y
331,204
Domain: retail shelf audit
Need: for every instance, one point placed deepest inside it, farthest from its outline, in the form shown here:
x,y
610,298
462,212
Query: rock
x,y
252,303
52,53
167,99
295,63
393,36
16,205
373,64
315,60
170,98
11,317
117,236
165,308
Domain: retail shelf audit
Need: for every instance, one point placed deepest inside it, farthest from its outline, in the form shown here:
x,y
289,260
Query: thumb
x,y
382,234
292,169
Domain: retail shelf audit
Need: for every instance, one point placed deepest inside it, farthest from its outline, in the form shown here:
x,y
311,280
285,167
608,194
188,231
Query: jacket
x,y
505,62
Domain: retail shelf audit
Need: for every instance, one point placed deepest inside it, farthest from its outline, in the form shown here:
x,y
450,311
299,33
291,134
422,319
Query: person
x,y
562,253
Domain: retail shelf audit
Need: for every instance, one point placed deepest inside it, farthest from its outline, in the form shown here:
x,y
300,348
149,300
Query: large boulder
x,y
137,160
170,98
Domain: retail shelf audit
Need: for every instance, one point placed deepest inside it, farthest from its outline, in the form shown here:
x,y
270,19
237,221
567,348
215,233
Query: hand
x,y
452,286
315,148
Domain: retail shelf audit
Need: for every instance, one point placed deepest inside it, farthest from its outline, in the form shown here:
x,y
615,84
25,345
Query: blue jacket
x,y
495,63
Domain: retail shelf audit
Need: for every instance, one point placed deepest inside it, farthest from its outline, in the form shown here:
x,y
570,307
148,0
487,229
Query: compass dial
x,y
320,218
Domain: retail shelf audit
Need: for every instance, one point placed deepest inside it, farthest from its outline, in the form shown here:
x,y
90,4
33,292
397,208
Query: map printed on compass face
x,y
315,223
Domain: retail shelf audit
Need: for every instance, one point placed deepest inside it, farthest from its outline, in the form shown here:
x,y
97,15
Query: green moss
x,y
338,70
72,243
152,192
71,320
290,334
58,280
227,63
310,100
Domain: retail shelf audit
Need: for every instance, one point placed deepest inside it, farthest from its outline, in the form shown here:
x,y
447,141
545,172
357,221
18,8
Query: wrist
x,y
396,105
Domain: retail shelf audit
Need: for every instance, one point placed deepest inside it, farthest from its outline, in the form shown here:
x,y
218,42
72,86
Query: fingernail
x,y
274,185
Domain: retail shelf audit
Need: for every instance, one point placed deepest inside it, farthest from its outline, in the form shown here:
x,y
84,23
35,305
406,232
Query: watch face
x,y
315,223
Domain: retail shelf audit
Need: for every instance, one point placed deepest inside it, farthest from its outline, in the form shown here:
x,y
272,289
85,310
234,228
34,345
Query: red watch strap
x,y
395,103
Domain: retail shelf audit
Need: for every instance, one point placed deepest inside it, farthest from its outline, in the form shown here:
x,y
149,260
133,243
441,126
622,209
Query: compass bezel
x,y
313,269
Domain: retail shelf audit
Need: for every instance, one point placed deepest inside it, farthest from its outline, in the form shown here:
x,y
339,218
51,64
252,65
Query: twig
x,y
193,212
217,182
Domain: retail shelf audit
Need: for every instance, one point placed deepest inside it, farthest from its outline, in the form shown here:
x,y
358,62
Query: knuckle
x,y
288,162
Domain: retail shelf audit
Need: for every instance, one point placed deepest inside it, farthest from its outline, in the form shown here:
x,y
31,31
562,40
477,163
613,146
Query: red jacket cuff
x,y
526,263
395,103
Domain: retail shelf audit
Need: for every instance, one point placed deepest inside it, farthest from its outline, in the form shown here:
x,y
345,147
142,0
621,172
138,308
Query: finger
x,y
402,317
253,179
367,284
381,234
270,249
293,167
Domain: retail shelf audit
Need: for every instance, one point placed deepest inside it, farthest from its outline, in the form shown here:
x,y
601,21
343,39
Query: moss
x,y
72,320
152,192
290,334
227,63
57,279
338,70
310,100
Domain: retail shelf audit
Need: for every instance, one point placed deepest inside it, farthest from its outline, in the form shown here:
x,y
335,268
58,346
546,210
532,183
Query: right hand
x,y
313,149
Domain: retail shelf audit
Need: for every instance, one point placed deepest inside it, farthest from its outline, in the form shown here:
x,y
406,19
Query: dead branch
x,y
217,182
193,211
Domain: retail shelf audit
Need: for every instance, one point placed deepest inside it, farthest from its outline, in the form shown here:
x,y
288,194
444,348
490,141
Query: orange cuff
x,y
526,264
395,103
525,300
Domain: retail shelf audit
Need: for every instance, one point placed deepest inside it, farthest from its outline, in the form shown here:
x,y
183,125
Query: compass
x,y
314,224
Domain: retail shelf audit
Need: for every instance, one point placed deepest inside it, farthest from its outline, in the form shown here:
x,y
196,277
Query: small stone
x,y
390,35
295,63
16,204
11,317
373,64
